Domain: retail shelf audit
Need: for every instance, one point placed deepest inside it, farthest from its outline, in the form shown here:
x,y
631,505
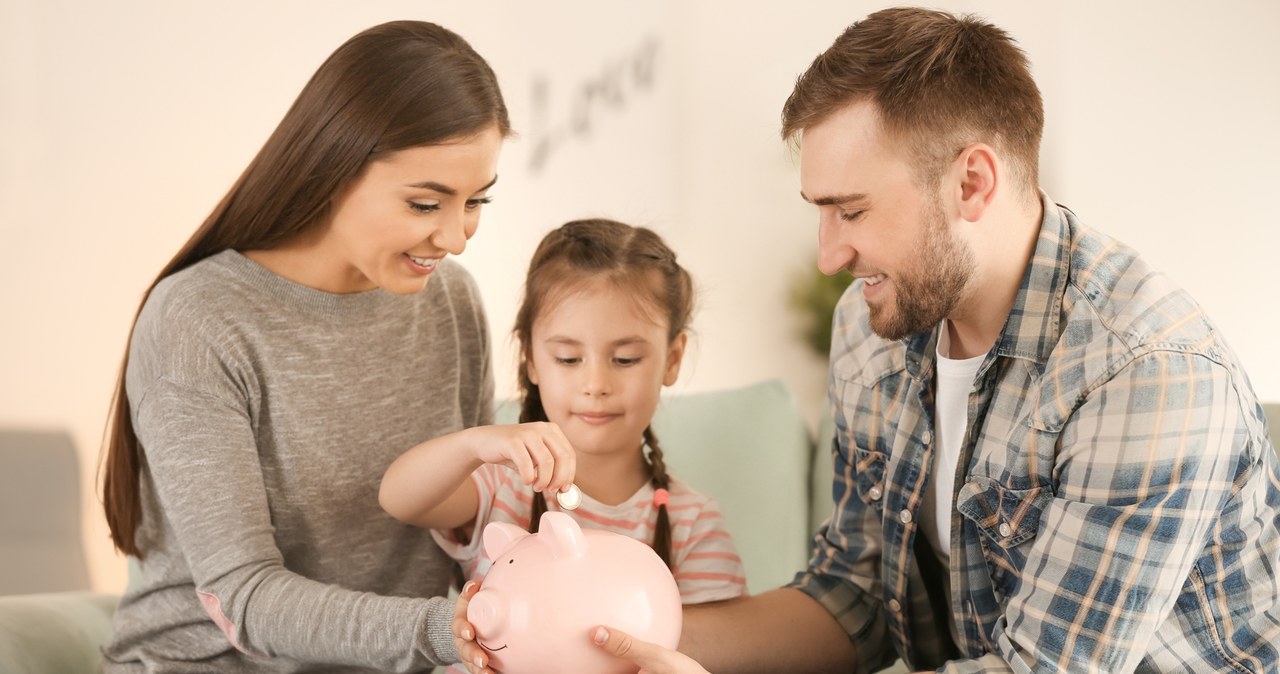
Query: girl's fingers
x,y
566,461
543,459
523,463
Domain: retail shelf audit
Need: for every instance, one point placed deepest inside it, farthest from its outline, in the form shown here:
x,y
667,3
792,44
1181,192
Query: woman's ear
x,y
675,354
978,173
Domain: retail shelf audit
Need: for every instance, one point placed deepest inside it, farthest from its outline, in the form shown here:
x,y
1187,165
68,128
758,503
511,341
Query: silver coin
x,y
570,499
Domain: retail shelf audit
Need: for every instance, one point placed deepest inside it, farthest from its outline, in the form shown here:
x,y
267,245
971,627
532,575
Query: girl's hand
x,y
537,450
651,658
469,652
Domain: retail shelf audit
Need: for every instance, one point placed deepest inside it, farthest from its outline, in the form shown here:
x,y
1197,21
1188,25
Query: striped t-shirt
x,y
705,561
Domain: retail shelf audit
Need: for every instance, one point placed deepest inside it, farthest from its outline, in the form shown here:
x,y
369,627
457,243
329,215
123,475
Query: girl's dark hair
x,y
628,257
394,86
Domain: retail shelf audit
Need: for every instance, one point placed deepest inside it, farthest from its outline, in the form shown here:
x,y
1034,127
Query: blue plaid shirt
x,y
1118,503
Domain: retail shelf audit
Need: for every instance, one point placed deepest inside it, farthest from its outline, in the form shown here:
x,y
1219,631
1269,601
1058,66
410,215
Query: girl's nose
x,y
597,380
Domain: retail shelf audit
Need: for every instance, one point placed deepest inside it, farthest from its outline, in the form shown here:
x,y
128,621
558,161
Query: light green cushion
x,y
823,471
57,632
749,449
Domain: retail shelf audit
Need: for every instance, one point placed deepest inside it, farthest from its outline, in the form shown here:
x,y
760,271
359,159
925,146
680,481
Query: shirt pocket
x,y
869,467
1007,521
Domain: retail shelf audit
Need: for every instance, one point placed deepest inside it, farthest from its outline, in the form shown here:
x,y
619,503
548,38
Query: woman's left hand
x,y
652,658
464,634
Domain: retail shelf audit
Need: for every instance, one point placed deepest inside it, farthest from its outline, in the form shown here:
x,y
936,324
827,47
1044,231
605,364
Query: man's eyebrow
x,y
835,199
445,189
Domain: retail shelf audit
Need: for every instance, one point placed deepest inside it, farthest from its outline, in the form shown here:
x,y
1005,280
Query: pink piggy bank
x,y
547,591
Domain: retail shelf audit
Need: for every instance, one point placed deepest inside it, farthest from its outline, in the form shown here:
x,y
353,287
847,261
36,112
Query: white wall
x,y
122,123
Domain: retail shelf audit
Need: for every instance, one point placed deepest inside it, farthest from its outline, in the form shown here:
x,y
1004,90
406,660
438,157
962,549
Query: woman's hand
x,y
464,635
651,658
537,450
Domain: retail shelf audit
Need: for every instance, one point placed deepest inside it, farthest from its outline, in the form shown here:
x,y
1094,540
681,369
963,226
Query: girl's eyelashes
x,y
478,202
620,361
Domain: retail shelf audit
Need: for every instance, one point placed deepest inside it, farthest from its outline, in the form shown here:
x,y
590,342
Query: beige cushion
x,y
40,513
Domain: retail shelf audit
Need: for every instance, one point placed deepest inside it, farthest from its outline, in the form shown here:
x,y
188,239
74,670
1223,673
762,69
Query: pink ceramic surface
x,y
546,591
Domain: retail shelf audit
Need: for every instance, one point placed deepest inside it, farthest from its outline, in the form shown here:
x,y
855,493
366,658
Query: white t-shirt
x,y
951,417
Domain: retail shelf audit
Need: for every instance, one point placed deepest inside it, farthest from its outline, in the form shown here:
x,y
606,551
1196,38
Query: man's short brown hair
x,y
940,82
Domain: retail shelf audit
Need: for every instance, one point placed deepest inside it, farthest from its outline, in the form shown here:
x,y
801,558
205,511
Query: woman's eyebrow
x,y
445,189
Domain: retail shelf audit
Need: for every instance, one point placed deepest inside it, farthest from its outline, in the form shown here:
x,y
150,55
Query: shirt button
x,y
895,606
905,517
1005,529
926,437
874,493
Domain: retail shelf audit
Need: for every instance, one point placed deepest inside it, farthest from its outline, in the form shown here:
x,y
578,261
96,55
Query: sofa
x,y
748,447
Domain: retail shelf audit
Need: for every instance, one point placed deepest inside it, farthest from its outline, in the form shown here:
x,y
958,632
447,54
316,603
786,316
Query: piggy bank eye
x,y
511,561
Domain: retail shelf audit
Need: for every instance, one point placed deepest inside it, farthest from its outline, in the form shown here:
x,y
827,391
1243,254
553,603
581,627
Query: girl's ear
x,y
675,355
529,368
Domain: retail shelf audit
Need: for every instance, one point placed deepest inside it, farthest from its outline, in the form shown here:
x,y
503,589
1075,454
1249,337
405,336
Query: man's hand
x,y
652,658
469,652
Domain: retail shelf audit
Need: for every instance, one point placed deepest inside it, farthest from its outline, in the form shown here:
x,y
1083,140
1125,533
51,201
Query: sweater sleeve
x,y
203,461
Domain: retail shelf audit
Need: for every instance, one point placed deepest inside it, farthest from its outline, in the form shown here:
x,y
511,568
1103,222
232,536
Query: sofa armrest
x,y
55,632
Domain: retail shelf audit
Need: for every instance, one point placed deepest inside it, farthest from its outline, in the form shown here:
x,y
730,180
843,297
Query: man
x,y
1046,457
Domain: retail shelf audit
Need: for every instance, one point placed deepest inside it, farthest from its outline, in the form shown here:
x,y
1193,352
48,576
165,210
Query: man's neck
x,y
1003,253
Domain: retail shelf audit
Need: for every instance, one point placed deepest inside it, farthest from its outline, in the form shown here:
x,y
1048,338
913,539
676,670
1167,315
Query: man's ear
x,y
675,354
978,175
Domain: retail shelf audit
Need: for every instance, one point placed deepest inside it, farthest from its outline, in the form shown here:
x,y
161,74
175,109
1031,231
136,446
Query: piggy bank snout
x,y
487,612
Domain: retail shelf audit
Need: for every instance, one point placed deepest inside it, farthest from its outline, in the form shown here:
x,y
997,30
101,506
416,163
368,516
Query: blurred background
x,y
123,123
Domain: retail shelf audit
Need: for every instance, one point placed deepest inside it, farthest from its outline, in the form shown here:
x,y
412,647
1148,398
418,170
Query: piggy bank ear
x,y
499,537
563,535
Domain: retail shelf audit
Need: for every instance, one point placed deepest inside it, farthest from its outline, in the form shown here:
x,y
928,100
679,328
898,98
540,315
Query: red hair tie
x,y
661,497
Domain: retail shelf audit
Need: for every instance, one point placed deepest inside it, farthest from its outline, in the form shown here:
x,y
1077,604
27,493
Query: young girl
x,y
312,322
601,330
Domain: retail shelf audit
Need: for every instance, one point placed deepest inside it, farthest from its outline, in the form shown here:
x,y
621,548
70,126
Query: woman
x,y
308,332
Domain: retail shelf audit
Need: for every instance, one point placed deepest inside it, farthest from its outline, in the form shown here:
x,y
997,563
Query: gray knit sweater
x,y
267,412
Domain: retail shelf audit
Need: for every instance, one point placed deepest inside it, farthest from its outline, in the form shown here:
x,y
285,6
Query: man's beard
x,y
932,288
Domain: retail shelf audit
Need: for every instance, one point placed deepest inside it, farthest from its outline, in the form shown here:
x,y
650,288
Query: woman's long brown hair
x,y
630,257
394,86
